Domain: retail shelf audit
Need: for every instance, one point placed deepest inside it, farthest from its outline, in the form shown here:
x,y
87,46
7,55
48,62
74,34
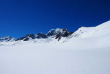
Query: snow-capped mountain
x,y
7,38
53,33
27,37
64,32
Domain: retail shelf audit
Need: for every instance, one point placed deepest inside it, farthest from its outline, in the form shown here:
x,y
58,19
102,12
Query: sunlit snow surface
x,y
87,51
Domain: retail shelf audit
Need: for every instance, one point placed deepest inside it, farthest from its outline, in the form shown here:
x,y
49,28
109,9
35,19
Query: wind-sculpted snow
x,y
86,51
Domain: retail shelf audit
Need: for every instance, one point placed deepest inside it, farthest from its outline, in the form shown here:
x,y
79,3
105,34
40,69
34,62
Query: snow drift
x,y
86,51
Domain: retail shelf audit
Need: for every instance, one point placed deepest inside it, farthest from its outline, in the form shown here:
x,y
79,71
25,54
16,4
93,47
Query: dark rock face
x,y
41,35
51,32
63,33
32,36
58,36
27,37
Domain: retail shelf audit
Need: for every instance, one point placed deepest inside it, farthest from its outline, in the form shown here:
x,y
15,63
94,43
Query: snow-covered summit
x,y
54,31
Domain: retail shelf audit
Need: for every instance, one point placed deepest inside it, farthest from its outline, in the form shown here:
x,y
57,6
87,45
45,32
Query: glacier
x,y
86,51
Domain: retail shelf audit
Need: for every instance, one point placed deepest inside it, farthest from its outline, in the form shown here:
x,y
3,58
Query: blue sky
x,y
20,17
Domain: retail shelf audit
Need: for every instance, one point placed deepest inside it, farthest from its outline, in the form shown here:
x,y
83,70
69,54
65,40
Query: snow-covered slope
x,y
92,37
100,30
87,51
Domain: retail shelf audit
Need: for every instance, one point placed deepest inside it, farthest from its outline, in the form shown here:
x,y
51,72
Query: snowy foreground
x,y
87,51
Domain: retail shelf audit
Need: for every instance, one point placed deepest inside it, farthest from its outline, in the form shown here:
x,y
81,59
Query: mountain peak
x,y
7,38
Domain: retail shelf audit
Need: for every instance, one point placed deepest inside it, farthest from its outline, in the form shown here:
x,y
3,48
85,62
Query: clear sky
x,y
20,17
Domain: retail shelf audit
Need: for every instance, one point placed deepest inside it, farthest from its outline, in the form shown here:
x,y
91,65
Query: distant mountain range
x,y
54,33
62,34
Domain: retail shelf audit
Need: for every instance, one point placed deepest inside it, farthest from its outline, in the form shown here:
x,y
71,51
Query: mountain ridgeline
x,y
54,33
